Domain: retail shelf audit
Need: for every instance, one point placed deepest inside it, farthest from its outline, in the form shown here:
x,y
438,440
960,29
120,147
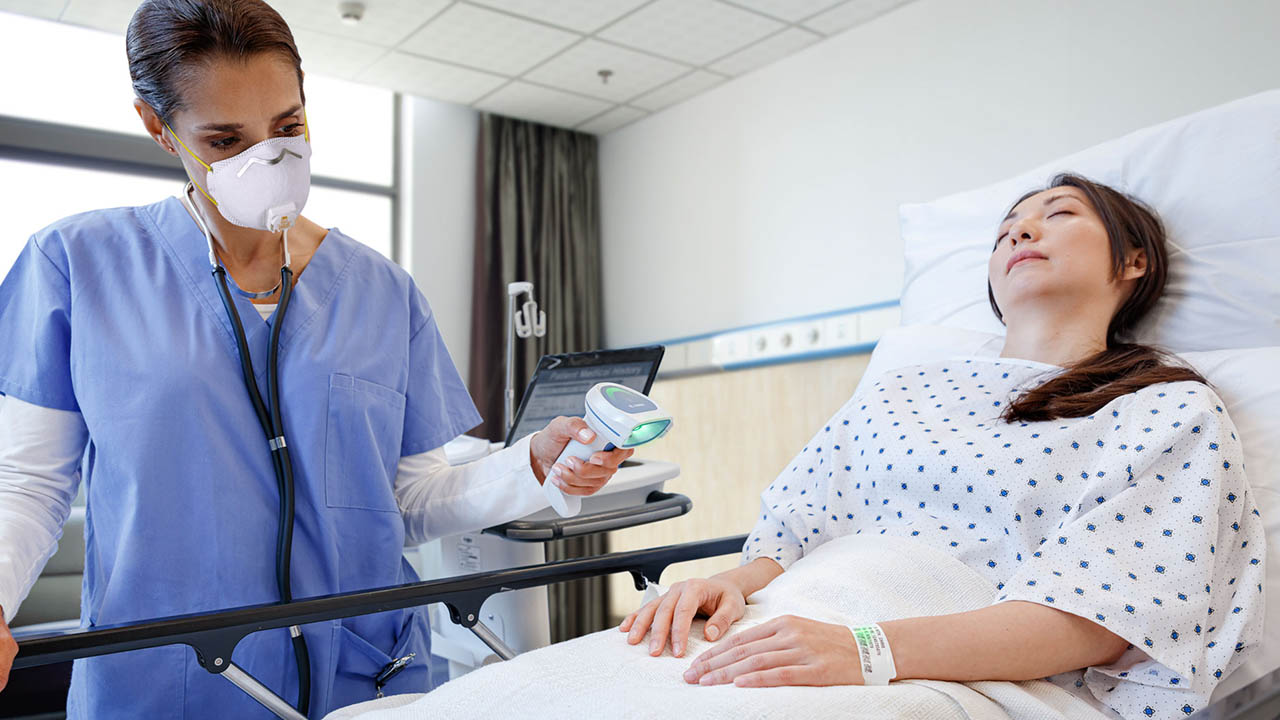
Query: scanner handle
x,y
570,505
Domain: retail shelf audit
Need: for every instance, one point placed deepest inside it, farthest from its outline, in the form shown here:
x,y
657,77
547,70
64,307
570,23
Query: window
x,y
87,86
50,192
362,216
352,128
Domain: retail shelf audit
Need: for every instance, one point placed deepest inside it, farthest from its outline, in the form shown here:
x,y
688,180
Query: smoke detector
x,y
351,12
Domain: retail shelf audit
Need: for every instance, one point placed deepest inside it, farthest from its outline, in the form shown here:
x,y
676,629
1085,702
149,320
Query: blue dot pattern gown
x,y
1137,517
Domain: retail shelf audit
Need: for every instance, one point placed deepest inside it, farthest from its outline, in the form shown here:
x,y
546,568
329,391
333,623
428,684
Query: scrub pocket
x,y
362,443
358,662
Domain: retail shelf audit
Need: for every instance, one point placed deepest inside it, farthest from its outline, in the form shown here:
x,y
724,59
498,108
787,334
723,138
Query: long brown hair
x,y
169,39
1123,367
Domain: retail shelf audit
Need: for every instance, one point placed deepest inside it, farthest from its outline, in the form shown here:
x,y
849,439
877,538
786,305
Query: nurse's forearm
x,y
40,450
438,499
1012,640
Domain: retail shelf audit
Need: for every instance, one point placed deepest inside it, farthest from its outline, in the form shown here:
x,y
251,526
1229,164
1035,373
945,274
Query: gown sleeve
x,y
438,407
792,508
1170,558
35,324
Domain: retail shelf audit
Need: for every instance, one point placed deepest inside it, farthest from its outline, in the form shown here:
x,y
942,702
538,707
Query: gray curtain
x,y
538,220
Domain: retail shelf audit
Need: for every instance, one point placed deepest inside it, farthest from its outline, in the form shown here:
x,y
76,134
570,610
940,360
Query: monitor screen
x,y
560,383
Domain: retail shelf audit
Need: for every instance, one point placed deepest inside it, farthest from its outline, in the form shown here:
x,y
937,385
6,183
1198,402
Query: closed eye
x,y
1061,212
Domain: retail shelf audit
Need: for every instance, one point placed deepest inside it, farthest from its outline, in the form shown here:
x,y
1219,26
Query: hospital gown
x,y
1137,517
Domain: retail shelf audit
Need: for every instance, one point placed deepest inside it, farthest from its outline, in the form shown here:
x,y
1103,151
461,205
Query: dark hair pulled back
x,y
1123,367
168,40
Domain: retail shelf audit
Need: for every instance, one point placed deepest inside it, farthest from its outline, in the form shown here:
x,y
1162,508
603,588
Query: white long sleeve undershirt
x,y
41,448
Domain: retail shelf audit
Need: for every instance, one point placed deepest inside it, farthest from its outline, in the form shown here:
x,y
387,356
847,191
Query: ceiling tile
x,y
774,47
544,105
110,15
789,10
385,22
682,89
692,31
334,56
47,9
854,12
488,40
611,120
582,15
428,78
577,69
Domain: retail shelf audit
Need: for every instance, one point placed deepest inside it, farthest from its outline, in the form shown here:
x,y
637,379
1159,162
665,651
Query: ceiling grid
x,y
537,59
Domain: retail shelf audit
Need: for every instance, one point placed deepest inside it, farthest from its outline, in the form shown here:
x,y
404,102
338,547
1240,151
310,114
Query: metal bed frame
x,y
213,636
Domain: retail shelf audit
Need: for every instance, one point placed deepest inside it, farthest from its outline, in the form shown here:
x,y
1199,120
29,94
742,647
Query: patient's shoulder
x,y
1174,410
1185,395
990,371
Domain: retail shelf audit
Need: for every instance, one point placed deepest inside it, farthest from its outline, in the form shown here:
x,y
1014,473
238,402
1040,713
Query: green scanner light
x,y
646,432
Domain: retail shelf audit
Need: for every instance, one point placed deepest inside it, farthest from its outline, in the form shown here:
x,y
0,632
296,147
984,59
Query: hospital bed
x,y
1213,176
214,636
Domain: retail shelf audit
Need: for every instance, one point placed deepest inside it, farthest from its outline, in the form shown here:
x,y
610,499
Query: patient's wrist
x,y
875,655
753,576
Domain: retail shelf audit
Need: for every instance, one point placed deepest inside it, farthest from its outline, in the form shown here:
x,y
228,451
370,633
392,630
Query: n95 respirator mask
x,y
264,187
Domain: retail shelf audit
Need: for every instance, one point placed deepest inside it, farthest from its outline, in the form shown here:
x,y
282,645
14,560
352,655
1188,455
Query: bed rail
x,y
214,635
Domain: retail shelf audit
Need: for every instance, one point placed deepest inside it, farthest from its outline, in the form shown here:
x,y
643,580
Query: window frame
x,y
39,141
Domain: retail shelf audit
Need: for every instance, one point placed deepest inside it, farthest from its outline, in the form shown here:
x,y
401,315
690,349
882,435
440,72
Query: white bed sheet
x,y
850,580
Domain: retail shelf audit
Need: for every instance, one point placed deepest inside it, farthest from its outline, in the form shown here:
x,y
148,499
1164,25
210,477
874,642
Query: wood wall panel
x,y
734,432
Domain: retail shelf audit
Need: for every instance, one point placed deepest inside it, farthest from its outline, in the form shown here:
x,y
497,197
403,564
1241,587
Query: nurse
x,y
120,366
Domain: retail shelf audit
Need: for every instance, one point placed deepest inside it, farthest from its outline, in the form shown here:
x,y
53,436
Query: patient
x,y
1097,484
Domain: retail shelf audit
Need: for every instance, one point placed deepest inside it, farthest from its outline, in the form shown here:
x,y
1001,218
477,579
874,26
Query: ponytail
x,y
1087,386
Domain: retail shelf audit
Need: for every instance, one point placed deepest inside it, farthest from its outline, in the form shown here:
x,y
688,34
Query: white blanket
x,y
851,580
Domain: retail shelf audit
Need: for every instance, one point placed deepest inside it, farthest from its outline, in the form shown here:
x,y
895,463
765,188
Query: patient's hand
x,y
673,613
787,650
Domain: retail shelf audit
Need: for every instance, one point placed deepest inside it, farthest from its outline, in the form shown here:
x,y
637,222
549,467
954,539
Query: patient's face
x,y
1054,248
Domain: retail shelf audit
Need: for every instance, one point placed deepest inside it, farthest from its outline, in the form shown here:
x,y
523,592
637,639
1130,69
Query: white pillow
x,y
1247,382
1214,178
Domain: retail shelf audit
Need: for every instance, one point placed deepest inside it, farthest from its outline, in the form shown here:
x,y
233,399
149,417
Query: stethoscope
x,y
269,417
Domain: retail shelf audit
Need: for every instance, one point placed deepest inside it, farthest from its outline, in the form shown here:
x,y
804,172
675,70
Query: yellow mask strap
x,y
306,129
197,157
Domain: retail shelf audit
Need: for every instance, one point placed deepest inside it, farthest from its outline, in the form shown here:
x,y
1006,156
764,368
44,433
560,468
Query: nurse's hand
x,y
579,478
8,650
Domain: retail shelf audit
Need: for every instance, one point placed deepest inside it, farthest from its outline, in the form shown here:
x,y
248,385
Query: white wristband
x,y
876,657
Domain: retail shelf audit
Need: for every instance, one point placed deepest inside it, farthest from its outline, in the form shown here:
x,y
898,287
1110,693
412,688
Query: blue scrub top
x,y
114,314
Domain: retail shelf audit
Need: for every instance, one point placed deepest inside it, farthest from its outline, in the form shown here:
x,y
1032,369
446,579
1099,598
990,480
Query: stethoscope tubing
x,y
271,419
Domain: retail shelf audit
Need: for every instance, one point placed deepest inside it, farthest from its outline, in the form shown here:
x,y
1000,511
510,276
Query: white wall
x,y
438,161
776,194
